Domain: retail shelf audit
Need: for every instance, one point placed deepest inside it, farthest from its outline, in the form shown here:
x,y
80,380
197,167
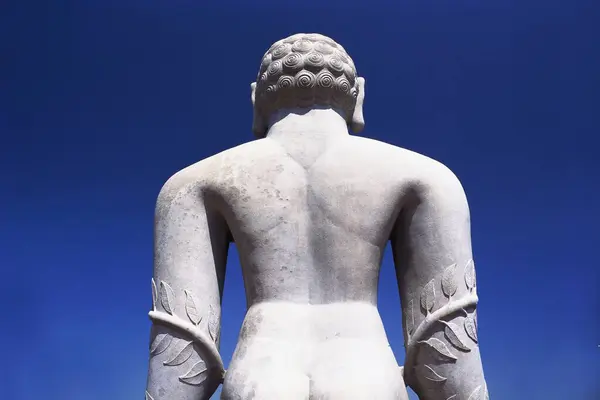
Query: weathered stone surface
x,y
311,209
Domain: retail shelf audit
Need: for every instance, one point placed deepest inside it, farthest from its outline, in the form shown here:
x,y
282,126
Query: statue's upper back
x,y
355,182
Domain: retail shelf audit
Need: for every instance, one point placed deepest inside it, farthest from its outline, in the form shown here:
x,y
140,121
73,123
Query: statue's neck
x,y
305,134
316,124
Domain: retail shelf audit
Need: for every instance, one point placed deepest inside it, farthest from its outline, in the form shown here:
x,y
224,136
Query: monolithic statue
x,y
311,209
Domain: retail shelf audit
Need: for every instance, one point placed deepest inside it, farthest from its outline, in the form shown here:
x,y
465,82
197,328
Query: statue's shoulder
x,y
396,154
207,171
413,168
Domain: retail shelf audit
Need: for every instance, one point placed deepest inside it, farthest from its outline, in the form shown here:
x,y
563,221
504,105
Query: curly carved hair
x,y
304,70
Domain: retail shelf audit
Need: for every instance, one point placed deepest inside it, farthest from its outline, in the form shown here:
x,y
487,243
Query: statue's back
x,y
311,222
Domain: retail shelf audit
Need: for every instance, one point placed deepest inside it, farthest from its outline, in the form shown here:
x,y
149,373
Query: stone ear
x,y
357,123
253,92
259,126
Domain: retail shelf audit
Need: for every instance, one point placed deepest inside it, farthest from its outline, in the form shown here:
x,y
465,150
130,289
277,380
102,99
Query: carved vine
x,y
198,373
458,338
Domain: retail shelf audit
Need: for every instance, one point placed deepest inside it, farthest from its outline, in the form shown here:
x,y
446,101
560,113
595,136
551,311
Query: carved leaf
x,y
440,347
161,342
166,296
451,397
431,375
428,296
449,285
410,317
475,395
470,275
471,328
190,308
452,334
148,397
182,356
154,295
196,375
213,323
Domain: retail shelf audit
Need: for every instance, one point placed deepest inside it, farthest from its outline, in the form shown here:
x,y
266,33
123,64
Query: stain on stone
x,y
250,326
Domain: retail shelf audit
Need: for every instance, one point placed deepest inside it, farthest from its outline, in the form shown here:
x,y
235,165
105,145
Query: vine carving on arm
x,y
459,338
198,373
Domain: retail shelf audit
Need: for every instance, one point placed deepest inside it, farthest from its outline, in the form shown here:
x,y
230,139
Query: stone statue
x,y
311,209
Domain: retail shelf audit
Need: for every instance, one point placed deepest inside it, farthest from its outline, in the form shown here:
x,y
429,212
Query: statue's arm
x,y
190,251
431,242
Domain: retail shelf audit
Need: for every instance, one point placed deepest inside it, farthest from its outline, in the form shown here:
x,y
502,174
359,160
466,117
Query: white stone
x,y
311,209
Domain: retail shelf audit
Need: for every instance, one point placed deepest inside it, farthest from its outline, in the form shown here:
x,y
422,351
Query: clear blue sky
x,y
101,101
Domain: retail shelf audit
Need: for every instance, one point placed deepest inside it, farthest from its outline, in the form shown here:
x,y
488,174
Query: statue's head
x,y
304,71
